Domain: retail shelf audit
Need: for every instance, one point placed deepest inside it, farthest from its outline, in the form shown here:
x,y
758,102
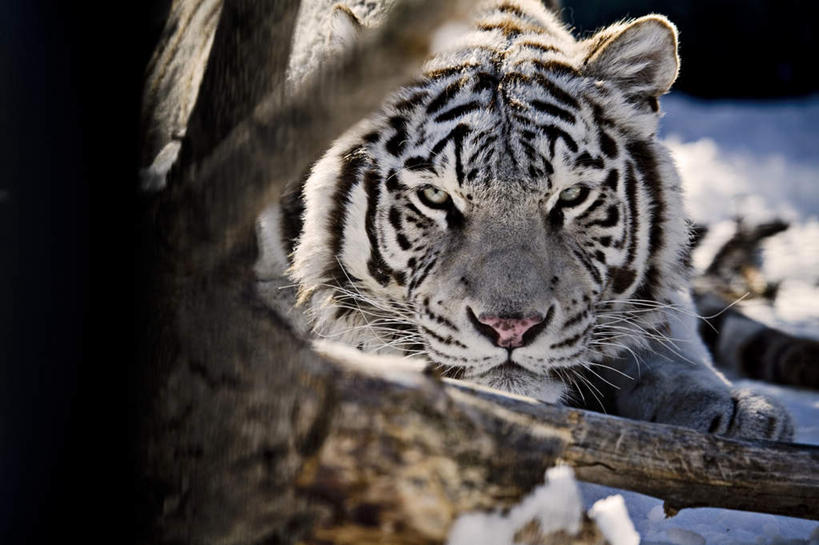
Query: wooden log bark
x,y
517,438
172,84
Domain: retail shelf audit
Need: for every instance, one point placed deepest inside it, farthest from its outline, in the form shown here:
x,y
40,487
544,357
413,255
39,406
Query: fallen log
x,y
517,438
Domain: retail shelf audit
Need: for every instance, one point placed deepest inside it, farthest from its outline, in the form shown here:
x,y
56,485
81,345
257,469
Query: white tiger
x,y
511,218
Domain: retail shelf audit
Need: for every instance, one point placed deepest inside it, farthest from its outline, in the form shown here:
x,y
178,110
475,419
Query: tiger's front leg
x,y
675,383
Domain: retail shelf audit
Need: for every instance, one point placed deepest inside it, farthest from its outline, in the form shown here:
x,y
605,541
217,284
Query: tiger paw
x,y
756,416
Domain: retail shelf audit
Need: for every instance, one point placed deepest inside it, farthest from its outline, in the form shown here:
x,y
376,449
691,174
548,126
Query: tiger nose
x,y
508,330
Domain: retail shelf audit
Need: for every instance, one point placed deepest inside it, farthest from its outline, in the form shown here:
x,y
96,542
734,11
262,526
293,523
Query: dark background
x,y
69,99
70,84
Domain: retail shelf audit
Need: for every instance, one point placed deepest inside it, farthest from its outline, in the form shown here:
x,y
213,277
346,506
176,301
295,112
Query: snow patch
x,y
555,506
611,516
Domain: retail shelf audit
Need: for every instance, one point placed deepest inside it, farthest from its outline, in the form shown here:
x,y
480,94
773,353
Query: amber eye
x,y
571,194
433,197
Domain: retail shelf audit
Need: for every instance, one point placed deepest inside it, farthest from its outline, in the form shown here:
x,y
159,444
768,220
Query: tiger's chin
x,y
512,378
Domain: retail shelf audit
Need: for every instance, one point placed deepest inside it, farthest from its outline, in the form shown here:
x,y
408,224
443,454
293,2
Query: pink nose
x,y
510,330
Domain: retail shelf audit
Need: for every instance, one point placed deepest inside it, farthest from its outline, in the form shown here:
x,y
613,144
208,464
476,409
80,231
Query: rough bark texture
x,y
173,79
248,436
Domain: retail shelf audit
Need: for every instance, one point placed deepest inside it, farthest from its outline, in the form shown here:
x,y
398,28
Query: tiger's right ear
x,y
345,27
640,57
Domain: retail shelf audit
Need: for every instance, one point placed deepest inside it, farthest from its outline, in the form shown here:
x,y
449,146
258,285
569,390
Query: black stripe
x,y
395,145
634,219
442,99
611,180
585,160
352,161
437,318
555,67
376,265
586,262
485,81
449,340
408,105
488,140
529,150
514,77
392,183
607,144
423,273
598,202
575,319
651,280
291,221
557,93
611,219
523,120
646,164
400,278
414,209
553,133
372,137
449,71
572,340
553,111
458,111
417,163
395,218
457,135
622,279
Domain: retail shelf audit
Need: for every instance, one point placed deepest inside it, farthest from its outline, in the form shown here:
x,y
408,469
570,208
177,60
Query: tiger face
x,y
509,215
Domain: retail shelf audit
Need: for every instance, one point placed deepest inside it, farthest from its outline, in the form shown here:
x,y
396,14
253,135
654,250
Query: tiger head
x,y
510,216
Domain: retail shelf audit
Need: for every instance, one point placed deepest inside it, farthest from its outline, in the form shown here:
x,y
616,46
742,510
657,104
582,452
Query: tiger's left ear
x,y
640,56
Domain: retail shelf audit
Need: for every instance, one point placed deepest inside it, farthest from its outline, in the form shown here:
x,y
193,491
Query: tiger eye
x,y
571,193
435,195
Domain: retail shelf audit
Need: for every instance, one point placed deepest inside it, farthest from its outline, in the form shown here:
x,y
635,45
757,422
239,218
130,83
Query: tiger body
x,y
511,219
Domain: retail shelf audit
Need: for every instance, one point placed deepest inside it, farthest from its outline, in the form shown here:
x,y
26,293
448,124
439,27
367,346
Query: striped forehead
x,y
492,124
502,99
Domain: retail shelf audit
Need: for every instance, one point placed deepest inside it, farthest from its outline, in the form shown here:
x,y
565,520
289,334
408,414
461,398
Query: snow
x,y
758,160
556,506
611,516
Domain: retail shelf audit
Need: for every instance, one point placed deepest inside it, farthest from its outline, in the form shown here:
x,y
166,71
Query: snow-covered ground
x,y
759,160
